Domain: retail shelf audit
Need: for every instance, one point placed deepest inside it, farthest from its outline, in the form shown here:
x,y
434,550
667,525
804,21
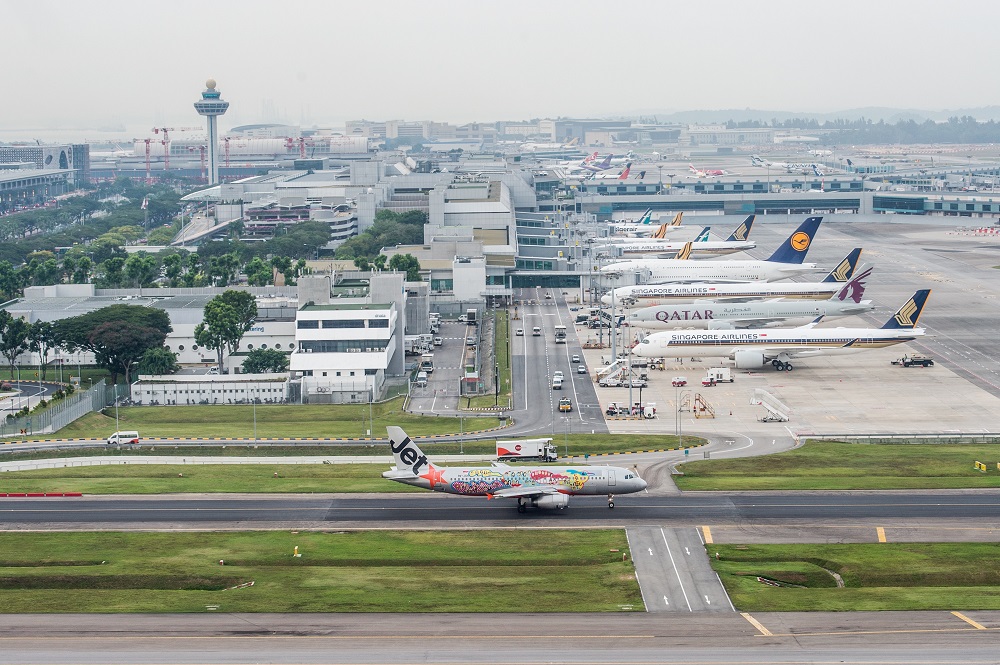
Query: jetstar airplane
x,y
785,262
753,350
701,247
706,315
707,173
644,225
662,294
538,486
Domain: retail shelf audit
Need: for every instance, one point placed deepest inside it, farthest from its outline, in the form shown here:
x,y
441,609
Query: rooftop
x,y
345,306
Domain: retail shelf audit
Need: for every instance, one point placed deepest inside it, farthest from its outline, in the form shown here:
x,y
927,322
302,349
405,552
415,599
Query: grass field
x,y
273,421
414,571
501,348
824,465
885,576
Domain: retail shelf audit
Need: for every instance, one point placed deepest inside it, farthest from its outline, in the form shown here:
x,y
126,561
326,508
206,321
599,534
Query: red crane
x,y
226,140
166,141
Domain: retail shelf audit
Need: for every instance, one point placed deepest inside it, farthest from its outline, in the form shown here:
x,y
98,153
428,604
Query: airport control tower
x,y
211,106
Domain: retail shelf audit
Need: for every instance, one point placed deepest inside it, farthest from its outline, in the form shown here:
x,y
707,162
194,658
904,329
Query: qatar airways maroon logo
x,y
684,315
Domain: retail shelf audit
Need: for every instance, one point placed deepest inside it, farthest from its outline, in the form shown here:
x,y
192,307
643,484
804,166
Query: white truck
x,y
427,363
720,374
526,449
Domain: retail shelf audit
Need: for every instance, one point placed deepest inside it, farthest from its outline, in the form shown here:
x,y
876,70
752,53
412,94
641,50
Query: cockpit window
x,y
645,340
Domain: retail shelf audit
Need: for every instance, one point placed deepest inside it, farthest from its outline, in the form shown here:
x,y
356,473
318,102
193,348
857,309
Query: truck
x,y
914,361
470,316
720,374
527,449
413,345
565,405
427,363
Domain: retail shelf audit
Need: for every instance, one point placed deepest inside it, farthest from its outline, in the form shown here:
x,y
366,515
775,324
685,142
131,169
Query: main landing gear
x,y
781,365
521,508
611,501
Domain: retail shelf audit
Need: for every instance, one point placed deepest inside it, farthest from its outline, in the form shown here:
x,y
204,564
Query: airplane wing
x,y
525,492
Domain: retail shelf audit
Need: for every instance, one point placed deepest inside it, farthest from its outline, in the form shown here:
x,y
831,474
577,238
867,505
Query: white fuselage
x,y
722,316
662,294
705,248
483,481
670,270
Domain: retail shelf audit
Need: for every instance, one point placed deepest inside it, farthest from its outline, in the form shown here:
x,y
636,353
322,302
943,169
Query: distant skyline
x,y
114,64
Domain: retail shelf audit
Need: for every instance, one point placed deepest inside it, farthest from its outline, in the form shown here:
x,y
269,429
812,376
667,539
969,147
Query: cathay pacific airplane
x,y
784,263
754,349
538,486
707,315
662,294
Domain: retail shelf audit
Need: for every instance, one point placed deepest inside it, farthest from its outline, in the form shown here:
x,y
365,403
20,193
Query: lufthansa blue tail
x,y
742,231
908,315
795,247
845,269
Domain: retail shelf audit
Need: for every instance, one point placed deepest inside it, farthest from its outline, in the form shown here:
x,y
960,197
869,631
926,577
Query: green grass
x,y
824,465
884,576
501,350
413,571
273,421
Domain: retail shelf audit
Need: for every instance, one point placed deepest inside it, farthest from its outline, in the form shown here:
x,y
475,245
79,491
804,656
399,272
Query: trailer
x,y
527,449
914,361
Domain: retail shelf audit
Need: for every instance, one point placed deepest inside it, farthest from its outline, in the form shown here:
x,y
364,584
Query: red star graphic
x,y
434,476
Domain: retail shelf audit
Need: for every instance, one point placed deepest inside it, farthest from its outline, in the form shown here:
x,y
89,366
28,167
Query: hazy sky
x,y
99,63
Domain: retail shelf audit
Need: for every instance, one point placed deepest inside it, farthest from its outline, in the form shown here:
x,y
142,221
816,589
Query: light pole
x,y
255,414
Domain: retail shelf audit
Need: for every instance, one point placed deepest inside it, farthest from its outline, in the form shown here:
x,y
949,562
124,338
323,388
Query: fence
x,y
916,438
61,413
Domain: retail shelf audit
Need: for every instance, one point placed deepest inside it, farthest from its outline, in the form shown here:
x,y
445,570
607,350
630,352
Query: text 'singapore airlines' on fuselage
x,y
785,262
752,350
663,294
538,486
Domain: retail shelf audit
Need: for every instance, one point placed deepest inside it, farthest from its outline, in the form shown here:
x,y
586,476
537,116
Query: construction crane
x,y
201,149
148,178
303,142
166,141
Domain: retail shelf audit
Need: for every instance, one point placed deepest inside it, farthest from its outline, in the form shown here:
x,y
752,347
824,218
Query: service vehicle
x,y
123,437
438,341
565,405
581,369
519,332
421,381
560,332
526,449
649,411
678,381
470,316
470,341
720,374
427,363
914,361
557,383
575,358
536,331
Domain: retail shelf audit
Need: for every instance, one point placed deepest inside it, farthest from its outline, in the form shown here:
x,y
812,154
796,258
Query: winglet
x,y
742,231
908,315
845,269
795,247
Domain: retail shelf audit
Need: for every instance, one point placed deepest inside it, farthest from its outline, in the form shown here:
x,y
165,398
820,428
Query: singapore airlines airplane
x,y
707,315
663,294
785,262
754,349
538,486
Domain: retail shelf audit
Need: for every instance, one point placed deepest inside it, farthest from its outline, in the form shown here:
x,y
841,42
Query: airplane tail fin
x,y
405,452
704,235
742,231
854,289
795,247
677,219
624,174
606,164
661,232
646,218
908,315
685,252
845,269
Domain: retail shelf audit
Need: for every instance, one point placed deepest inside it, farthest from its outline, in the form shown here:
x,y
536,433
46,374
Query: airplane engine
x,y
749,360
551,501
720,325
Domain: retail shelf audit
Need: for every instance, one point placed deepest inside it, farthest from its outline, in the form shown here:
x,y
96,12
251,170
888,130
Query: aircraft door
x,y
611,479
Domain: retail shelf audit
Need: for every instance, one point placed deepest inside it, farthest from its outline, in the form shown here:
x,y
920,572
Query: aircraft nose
x,y
642,484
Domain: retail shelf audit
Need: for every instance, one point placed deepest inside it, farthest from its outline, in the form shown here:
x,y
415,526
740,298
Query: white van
x,y
118,438
536,331
421,380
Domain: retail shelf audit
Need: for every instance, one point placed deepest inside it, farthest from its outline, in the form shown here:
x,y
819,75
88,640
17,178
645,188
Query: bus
x,y
560,334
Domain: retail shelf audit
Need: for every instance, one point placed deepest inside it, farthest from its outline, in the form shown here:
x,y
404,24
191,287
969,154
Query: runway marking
x,y
707,532
974,624
901,631
881,534
756,624
676,572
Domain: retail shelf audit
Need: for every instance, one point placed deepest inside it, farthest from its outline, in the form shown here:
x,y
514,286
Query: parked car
x,y
470,341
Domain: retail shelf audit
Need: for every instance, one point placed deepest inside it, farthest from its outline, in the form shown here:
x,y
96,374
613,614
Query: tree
x,y
74,332
408,263
361,263
41,339
228,317
141,269
117,347
159,360
260,361
13,337
258,272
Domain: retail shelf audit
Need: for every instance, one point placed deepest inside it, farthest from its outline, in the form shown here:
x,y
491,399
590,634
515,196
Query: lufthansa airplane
x,y
538,486
785,262
754,349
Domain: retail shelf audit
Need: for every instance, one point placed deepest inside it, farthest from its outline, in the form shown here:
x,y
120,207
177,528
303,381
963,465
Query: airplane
x,y
701,246
629,157
537,486
786,261
621,175
662,294
706,173
603,165
644,225
754,349
708,315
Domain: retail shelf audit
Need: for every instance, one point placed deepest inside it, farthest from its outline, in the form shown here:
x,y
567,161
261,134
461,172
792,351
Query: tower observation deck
x,y
211,106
